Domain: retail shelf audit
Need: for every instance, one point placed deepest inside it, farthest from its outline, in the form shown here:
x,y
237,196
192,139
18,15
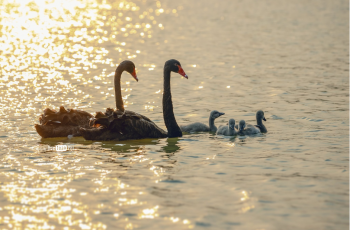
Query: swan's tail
x,y
62,123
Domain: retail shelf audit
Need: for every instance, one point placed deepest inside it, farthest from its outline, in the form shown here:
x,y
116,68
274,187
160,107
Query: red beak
x,y
182,72
134,75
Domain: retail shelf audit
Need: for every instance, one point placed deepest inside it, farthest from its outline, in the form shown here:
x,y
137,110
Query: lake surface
x,y
288,58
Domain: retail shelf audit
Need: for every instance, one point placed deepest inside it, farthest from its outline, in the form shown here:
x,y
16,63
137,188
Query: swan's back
x,y
117,125
251,130
222,130
195,127
62,123
200,127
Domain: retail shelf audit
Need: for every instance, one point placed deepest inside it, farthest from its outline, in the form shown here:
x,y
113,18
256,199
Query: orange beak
x,y
134,75
182,72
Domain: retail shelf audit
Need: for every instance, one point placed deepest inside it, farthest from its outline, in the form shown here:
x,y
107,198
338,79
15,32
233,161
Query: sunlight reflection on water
x,y
65,53
51,48
51,51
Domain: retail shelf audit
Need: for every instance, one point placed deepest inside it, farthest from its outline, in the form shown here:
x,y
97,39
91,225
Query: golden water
x,y
289,59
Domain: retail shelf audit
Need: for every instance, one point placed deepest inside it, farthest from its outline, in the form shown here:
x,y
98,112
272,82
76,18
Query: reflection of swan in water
x,y
113,126
171,146
127,146
68,122
81,143
200,127
228,130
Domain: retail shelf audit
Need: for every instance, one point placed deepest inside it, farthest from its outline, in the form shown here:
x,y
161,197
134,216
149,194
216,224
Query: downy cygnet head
x,y
215,114
231,124
260,115
241,125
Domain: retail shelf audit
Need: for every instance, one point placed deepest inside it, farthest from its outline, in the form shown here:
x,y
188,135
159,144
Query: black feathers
x,y
118,125
62,123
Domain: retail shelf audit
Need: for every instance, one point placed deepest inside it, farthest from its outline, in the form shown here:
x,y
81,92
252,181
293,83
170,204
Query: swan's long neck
x,y
117,88
212,126
261,125
168,113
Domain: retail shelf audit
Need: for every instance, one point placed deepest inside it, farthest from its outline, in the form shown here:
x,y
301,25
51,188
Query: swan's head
x,y
175,66
231,124
215,114
129,67
241,125
260,115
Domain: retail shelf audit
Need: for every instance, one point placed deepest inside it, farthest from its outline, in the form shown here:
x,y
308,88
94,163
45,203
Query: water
x,y
288,58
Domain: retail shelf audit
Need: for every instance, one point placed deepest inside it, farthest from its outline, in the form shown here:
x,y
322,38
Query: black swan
x,y
68,122
247,129
200,127
228,130
116,125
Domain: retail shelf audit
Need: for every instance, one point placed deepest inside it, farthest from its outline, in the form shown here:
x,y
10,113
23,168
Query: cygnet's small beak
x,y
264,118
182,72
134,75
220,114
